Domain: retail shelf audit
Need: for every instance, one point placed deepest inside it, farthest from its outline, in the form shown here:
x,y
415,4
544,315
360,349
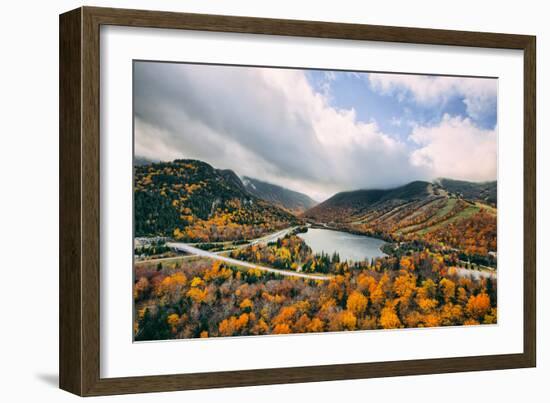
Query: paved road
x,y
477,274
264,240
271,237
183,247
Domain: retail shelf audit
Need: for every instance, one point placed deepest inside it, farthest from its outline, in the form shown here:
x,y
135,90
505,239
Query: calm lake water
x,y
349,246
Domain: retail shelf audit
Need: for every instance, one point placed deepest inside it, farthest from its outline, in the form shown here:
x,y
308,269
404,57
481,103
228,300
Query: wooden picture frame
x,y
80,199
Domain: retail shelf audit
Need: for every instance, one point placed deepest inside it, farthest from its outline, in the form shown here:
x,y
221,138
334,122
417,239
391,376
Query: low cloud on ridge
x,y
271,124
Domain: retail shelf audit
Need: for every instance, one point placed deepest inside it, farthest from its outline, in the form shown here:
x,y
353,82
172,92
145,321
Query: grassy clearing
x,y
440,213
467,212
167,263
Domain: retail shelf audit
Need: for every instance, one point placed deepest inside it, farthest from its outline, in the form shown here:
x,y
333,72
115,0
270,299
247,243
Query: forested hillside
x,y
417,211
476,191
192,201
295,202
209,299
437,268
349,204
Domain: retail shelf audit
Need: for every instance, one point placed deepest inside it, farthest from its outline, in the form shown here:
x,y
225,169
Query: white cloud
x,y
456,148
269,124
479,94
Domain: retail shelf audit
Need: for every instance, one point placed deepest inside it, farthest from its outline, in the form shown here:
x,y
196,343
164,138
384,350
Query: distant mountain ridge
x,y
191,200
290,200
143,161
442,211
483,191
356,202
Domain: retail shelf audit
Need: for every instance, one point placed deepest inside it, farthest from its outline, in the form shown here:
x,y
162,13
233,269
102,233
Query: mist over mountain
x,y
445,209
356,202
287,199
482,191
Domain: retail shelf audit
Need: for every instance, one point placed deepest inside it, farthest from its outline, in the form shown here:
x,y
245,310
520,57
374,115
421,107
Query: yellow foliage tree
x,y
404,287
357,303
478,306
281,328
173,321
233,325
171,284
316,325
197,282
426,305
246,305
343,320
198,295
448,289
286,314
406,263
261,327
388,317
302,324
451,314
431,320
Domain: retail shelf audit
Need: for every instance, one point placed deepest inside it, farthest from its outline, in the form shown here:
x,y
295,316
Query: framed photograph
x,y
249,201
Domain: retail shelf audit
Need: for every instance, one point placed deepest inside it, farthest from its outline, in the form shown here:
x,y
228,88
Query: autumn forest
x,y
255,274
282,200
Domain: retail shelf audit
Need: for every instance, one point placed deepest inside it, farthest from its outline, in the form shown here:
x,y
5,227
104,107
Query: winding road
x,y
183,247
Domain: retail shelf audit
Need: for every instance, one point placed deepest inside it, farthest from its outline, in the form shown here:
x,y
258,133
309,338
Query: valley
x,y
217,254
419,211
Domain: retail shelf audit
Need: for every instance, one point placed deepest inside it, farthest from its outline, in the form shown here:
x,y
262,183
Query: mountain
x,y
417,211
232,179
354,203
482,191
292,201
193,201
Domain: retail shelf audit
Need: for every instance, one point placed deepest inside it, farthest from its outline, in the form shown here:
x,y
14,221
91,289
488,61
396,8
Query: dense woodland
x,y
425,213
432,230
191,201
209,299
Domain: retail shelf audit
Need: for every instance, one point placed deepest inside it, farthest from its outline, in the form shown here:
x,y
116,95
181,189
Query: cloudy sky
x,y
317,132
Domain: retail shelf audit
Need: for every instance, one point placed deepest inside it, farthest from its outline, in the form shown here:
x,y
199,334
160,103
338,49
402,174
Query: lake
x,y
349,246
